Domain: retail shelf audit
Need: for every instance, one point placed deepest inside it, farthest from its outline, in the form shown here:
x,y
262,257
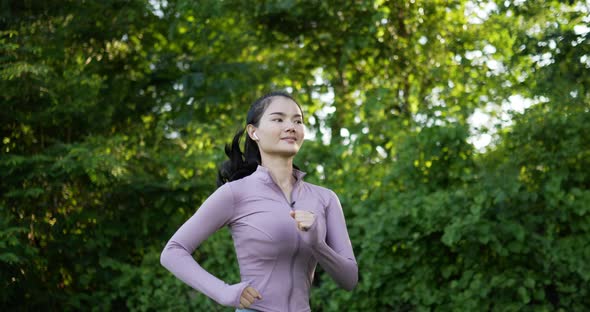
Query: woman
x,y
281,226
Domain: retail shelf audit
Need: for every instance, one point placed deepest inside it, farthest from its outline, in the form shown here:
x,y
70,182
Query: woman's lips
x,y
290,140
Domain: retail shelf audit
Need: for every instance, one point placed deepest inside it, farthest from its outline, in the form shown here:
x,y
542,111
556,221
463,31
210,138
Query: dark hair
x,y
240,164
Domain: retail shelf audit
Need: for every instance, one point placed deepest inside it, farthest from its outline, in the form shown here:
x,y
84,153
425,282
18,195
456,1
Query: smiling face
x,y
280,131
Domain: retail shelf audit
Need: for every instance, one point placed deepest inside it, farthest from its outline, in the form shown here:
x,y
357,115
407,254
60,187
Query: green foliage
x,y
114,116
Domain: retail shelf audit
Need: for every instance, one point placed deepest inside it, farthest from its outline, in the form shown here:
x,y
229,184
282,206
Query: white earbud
x,y
255,136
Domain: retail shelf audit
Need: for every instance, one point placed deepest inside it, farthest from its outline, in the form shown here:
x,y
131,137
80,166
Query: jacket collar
x,y
263,174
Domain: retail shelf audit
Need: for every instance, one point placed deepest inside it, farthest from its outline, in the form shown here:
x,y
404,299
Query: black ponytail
x,y
241,164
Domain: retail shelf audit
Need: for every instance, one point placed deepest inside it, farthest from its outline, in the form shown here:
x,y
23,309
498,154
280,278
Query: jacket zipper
x,y
293,273
296,253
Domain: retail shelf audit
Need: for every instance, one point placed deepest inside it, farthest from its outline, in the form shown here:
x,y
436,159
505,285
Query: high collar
x,y
263,174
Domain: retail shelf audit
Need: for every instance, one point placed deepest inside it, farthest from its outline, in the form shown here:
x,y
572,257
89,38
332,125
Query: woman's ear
x,y
252,132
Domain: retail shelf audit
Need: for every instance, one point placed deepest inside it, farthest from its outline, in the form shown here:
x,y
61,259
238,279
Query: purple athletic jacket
x,y
274,257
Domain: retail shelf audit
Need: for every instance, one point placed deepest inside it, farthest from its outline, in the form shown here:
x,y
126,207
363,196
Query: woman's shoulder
x,y
325,193
241,185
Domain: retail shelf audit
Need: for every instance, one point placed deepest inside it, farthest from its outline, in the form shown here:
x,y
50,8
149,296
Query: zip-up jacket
x,y
274,256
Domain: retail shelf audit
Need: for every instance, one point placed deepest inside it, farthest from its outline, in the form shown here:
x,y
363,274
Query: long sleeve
x,y
213,214
335,254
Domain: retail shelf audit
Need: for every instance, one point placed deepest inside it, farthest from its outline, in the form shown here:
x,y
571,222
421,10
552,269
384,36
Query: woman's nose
x,y
289,126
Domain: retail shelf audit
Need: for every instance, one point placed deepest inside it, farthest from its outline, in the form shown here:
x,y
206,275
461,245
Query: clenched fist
x,y
248,296
304,219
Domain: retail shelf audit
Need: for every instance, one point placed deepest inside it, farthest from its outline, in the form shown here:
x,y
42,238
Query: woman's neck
x,y
281,171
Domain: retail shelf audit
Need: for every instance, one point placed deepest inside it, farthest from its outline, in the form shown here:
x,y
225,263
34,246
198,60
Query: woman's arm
x,y
335,253
213,214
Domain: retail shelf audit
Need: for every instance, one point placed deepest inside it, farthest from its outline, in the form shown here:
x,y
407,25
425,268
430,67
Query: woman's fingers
x,y
303,218
253,292
244,303
248,296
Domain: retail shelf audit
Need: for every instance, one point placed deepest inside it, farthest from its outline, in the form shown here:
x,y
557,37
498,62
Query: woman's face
x,y
280,131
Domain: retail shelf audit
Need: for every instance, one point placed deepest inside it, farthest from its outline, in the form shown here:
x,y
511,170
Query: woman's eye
x,y
277,119
299,122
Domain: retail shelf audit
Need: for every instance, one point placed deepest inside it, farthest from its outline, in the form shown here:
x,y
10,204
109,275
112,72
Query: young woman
x,y
281,226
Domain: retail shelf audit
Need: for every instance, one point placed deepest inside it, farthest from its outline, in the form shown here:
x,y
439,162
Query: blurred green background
x,y
456,134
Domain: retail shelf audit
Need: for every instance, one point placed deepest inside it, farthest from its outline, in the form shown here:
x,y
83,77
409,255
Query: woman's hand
x,y
311,230
303,218
248,296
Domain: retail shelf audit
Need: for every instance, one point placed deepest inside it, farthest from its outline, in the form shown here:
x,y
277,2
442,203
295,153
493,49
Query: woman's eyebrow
x,y
283,114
